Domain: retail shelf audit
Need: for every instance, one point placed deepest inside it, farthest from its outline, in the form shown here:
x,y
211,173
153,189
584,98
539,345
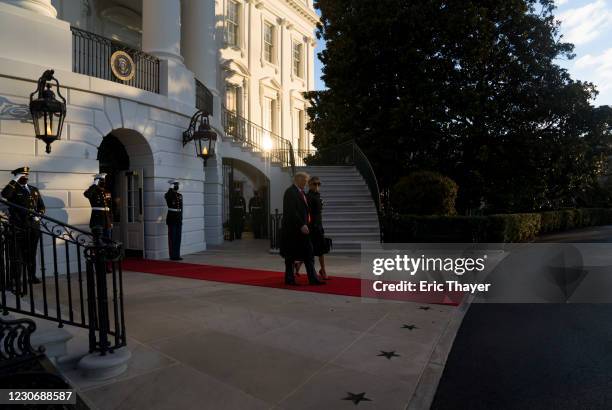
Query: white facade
x,y
190,38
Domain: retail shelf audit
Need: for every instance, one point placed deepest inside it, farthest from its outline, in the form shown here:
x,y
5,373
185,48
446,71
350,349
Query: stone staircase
x,y
349,212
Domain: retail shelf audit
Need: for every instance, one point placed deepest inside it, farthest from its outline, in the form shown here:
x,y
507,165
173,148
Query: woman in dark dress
x,y
317,234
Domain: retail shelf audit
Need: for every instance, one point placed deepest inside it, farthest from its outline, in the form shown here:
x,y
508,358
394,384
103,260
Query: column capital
x,y
42,7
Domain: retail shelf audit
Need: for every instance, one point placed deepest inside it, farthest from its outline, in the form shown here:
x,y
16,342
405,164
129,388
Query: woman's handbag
x,y
327,244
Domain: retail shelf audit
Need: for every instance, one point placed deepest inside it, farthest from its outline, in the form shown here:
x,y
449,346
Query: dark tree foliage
x,y
466,88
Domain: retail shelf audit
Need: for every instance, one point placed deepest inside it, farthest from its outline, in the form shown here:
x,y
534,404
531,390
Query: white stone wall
x,y
149,125
246,66
151,133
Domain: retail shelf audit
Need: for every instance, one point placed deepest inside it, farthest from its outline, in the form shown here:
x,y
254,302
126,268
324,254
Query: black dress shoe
x,y
317,283
292,283
176,259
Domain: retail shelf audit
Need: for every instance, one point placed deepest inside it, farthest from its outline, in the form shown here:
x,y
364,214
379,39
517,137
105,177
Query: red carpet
x,y
253,277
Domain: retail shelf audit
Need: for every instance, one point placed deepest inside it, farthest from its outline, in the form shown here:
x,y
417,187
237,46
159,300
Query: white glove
x,y
18,177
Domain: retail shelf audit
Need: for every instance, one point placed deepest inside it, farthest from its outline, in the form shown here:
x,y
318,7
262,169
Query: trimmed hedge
x,y
425,193
492,228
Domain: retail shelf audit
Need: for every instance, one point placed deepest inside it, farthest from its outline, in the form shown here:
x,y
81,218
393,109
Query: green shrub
x,y
434,229
424,193
513,227
492,228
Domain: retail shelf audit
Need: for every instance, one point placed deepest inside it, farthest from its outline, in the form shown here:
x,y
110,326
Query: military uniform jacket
x,y
101,204
238,205
29,198
174,200
255,205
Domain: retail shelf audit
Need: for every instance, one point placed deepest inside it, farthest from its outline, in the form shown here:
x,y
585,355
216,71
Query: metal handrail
x,y
84,297
349,153
91,55
259,139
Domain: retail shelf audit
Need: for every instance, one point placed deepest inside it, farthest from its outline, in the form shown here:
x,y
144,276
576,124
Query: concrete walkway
x,y
207,345
535,356
255,254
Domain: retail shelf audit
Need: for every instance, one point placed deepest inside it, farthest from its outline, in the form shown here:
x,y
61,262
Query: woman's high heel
x,y
323,275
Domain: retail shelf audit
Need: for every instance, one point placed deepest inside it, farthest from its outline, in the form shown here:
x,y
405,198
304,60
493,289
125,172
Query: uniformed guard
x,y
101,206
237,213
27,227
256,212
174,219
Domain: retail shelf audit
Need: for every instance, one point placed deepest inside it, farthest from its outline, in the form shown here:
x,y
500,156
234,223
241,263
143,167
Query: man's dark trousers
x,y
308,260
174,240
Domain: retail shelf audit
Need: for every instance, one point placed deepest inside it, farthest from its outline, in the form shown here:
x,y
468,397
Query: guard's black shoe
x,y
291,283
176,259
35,281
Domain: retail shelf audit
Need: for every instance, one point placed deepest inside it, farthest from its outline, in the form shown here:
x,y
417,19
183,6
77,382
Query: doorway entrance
x,y
126,187
244,179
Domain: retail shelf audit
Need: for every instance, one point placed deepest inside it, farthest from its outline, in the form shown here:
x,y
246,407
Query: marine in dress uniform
x,y
256,212
237,213
174,219
27,227
101,206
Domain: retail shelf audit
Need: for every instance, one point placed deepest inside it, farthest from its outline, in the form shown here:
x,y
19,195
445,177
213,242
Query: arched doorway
x,y
243,178
123,155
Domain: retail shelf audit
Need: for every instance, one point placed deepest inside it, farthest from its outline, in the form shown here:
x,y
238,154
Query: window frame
x,y
270,45
297,64
232,24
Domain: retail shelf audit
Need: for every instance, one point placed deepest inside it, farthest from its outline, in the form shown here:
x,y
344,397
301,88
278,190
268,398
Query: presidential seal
x,y
123,66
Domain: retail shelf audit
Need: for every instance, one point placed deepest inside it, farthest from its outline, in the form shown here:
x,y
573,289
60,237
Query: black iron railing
x,y
349,153
275,230
302,155
91,55
79,273
259,139
204,98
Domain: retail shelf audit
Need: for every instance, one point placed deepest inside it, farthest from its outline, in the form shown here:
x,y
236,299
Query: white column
x,y
42,7
161,29
199,43
161,37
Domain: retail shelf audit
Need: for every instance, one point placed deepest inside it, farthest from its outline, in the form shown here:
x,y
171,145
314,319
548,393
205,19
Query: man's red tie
x,y
307,208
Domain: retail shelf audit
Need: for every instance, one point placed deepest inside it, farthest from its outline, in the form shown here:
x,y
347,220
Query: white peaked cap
x,y
173,181
99,176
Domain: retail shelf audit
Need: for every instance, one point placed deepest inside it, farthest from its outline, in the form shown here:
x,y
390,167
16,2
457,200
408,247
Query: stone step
x,y
343,181
343,195
354,236
349,218
347,246
357,229
348,212
48,335
337,223
343,207
326,167
347,202
337,176
345,189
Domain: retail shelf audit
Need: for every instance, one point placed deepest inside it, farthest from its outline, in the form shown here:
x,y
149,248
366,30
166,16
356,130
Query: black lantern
x,y
202,135
48,113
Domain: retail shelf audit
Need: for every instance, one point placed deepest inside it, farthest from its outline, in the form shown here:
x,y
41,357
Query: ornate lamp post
x,y
48,113
202,135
